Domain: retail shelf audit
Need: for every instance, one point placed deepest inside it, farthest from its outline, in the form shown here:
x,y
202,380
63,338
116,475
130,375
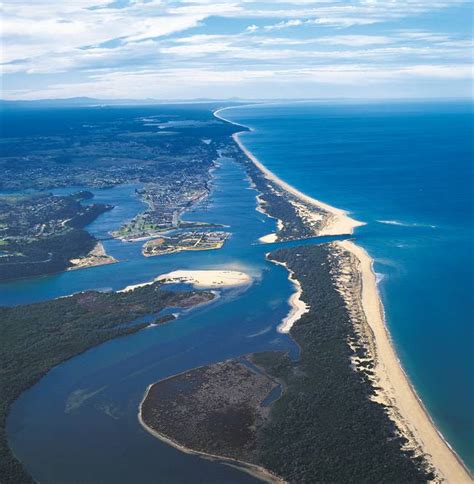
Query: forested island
x,y
35,338
325,427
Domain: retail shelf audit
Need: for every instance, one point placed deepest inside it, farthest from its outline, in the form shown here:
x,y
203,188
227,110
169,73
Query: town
x,y
194,240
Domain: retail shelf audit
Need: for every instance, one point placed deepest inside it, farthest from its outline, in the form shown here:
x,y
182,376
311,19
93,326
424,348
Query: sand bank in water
x,y
410,413
268,239
199,279
298,306
206,278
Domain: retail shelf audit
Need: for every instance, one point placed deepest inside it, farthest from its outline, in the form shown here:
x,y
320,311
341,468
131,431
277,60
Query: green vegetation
x,y
40,233
276,203
213,409
325,428
37,337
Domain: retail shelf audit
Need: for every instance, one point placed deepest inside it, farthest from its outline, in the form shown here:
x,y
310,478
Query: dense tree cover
x,y
107,145
46,256
325,428
276,203
36,337
41,232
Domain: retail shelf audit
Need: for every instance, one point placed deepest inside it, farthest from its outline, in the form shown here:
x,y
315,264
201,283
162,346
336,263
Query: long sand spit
x,y
338,223
395,383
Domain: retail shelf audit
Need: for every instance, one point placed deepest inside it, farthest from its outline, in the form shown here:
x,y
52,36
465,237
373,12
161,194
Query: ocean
x,y
406,169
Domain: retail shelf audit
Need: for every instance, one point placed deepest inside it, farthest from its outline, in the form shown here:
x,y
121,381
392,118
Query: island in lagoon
x,y
347,398
342,411
183,241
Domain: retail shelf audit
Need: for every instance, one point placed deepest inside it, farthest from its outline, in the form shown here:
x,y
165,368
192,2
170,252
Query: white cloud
x,y
96,44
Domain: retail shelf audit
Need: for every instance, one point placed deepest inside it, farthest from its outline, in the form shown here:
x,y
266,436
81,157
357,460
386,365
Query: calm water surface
x,y
404,169
407,170
79,423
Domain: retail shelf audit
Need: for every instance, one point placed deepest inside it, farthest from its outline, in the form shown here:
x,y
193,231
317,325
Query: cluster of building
x,y
192,240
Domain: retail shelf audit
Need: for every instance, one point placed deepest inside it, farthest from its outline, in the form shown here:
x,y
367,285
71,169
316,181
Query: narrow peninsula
x,y
345,411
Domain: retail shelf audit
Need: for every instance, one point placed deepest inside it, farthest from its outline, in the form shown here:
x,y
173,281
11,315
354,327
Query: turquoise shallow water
x,y
404,169
407,170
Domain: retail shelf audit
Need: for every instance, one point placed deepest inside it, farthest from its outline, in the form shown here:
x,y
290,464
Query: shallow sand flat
x,y
394,382
199,279
206,278
298,306
268,239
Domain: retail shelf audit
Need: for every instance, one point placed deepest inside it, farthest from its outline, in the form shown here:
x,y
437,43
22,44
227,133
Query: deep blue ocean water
x,y
407,170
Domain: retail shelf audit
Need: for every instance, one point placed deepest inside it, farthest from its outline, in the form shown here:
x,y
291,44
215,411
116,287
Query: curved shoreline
x,y
297,306
340,222
251,469
390,373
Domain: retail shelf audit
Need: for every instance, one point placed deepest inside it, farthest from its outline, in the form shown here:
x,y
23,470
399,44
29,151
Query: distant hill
x,y
89,101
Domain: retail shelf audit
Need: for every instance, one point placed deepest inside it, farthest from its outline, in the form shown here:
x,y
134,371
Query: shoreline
x,y
96,257
200,279
413,416
252,469
410,413
339,223
297,306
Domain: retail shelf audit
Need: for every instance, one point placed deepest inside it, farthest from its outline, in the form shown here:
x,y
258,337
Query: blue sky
x,y
169,49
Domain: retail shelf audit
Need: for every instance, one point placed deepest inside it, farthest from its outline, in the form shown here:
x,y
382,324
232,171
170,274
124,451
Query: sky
x,y
252,49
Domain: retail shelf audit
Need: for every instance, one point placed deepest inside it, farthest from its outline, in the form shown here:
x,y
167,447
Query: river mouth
x,y
79,423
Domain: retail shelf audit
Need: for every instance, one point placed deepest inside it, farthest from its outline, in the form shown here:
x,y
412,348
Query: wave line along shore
x,y
396,386
412,415
339,222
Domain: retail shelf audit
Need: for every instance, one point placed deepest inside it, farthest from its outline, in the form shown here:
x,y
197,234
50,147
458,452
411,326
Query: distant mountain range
x,y
89,101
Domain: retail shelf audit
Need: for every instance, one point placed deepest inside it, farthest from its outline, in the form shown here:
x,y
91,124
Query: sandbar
x,y
269,238
297,305
199,279
206,278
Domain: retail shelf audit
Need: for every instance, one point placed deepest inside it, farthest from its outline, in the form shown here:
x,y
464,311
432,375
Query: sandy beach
x,y
396,391
338,221
268,239
410,414
297,305
204,279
